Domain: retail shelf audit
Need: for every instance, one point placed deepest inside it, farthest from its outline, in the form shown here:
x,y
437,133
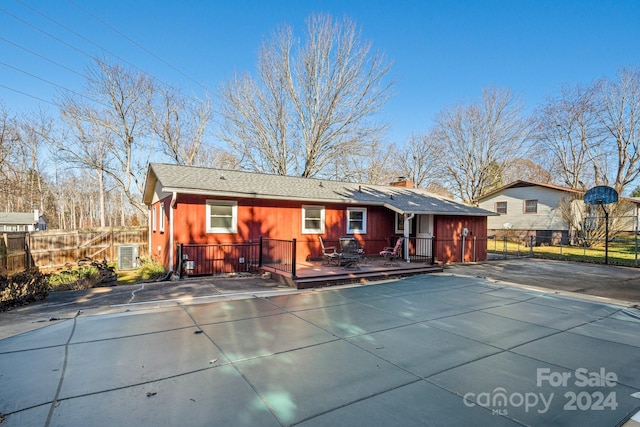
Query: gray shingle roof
x,y
17,218
232,183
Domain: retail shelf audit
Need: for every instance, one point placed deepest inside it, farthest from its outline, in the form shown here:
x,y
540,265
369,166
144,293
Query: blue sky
x,y
444,52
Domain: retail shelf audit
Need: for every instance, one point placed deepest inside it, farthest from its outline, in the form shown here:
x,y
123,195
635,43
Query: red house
x,y
193,205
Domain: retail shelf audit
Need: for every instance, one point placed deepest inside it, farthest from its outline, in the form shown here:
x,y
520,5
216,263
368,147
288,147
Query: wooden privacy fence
x,y
53,249
13,254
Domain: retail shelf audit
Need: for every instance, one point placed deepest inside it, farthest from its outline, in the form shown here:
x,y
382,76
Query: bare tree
x,y
526,169
375,168
566,127
110,114
479,140
9,140
312,103
90,147
420,160
179,122
619,113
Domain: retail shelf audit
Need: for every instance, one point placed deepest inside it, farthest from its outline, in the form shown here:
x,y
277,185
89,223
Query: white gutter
x,y
172,248
405,249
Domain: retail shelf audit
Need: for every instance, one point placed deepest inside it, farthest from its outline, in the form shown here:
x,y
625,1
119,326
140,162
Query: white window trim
x,y
153,218
524,207
364,221
322,216
397,224
161,218
234,217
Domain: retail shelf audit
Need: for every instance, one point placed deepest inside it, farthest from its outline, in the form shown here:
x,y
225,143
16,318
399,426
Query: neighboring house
x,y
530,209
192,205
21,221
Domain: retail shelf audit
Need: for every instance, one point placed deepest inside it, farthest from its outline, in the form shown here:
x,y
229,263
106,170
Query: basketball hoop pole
x,y
602,195
606,233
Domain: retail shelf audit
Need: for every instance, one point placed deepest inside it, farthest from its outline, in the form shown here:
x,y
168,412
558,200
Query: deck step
x,y
350,277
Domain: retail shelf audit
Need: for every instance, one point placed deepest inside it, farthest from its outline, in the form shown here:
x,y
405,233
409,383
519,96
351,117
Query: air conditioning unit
x,y
127,257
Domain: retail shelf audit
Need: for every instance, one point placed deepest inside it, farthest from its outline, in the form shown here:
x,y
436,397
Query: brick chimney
x,y
406,183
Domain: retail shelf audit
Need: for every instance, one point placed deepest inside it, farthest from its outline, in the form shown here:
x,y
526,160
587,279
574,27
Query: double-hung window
x,y
312,219
222,216
530,206
400,224
161,219
356,220
501,208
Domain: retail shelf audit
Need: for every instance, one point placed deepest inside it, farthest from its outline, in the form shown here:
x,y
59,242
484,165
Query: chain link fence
x,y
621,250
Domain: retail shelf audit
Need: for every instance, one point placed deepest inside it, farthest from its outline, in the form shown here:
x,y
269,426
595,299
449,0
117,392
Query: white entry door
x,y
424,234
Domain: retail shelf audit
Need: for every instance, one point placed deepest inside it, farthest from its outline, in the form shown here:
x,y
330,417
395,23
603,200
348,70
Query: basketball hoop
x,y
602,195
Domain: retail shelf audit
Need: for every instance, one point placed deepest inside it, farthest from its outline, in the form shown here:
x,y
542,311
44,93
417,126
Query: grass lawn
x,y
621,252
88,276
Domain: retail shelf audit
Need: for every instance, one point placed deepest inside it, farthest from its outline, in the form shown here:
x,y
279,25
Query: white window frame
x,y
400,220
363,230
234,217
524,207
506,208
161,217
306,230
153,218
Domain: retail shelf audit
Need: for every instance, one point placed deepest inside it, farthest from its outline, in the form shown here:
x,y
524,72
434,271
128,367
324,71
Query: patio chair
x,y
392,253
330,253
350,253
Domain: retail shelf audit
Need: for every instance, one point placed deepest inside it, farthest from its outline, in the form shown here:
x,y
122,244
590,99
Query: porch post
x,y
433,249
179,261
405,243
293,260
172,207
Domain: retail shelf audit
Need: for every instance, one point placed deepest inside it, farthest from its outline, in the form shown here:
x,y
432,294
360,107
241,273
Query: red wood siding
x,y
278,220
283,220
159,249
448,232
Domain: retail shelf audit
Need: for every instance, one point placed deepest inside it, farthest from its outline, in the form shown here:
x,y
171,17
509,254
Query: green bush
x,y
23,288
83,277
150,269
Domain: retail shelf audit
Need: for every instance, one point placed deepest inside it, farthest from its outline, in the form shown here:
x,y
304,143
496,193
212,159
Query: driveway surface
x,y
438,349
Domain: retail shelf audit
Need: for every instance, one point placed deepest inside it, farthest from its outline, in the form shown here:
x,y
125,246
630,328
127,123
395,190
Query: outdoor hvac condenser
x,y
127,257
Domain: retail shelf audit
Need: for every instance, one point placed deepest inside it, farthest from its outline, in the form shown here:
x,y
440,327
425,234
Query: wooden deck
x,y
311,274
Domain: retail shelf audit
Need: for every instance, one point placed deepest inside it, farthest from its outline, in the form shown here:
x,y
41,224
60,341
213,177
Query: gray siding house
x,y
22,221
529,209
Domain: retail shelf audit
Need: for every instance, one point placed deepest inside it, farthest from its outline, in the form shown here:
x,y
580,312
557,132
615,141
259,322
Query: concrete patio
x,y
434,349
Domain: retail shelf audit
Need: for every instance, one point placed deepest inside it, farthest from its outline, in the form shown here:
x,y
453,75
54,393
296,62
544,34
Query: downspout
x,y
172,248
405,249
149,233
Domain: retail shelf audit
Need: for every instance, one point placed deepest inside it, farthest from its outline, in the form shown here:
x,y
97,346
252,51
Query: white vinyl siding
x,y
547,217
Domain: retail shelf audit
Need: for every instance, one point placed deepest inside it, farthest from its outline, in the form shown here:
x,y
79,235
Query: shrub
x,y
23,288
150,269
83,277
